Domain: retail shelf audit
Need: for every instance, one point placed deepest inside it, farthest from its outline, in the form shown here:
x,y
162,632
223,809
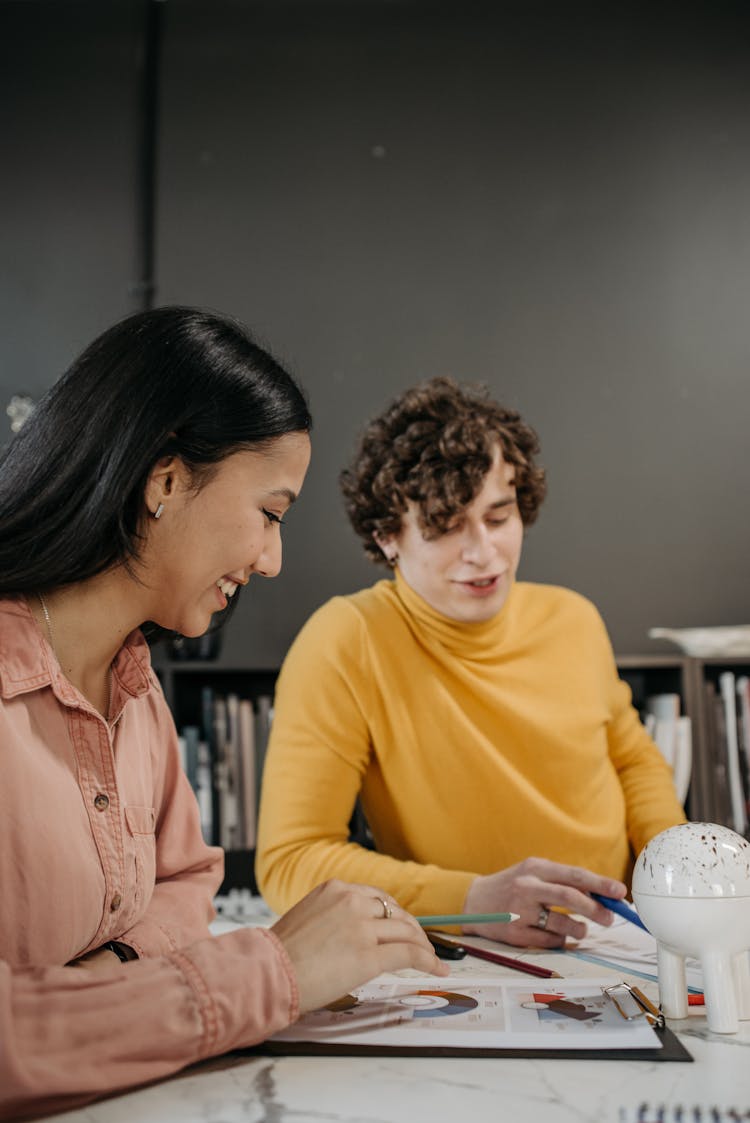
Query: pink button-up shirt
x,y
99,840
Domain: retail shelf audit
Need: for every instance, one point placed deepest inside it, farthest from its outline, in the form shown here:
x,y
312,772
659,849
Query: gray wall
x,y
553,198
69,81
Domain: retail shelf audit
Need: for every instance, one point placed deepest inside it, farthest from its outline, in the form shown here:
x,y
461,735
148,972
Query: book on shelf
x,y
743,731
263,719
228,769
224,763
717,755
196,763
738,794
224,776
736,768
726,730
672,732
204,792
249,788
190,736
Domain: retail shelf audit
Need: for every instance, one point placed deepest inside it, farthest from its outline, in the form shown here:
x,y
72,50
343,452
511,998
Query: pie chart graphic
x,y
436,1003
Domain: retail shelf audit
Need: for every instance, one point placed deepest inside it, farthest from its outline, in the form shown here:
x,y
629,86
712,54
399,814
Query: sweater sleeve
x,y
188,872
650,798
319,750
68,1036
651,803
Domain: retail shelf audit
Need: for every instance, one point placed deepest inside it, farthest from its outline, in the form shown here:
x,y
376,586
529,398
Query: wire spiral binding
x,y
680,1113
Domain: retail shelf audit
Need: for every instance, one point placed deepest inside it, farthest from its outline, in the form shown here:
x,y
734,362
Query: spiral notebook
x,y
683,1113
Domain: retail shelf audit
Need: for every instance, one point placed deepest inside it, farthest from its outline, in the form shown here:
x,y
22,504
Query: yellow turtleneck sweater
x,y
472,746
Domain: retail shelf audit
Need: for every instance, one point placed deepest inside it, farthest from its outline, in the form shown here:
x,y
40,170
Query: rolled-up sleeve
x,y
68,1036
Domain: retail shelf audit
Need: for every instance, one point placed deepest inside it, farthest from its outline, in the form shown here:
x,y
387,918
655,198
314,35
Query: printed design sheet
x,y
476,1012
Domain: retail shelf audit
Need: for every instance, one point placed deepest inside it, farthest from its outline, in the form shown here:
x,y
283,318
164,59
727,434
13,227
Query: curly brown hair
x,y
433,446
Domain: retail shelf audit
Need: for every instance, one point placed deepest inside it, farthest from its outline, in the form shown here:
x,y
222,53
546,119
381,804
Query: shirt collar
x,y
28,663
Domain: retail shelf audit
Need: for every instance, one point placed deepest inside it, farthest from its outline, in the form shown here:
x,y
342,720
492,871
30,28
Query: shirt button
x,y
115,903
101,803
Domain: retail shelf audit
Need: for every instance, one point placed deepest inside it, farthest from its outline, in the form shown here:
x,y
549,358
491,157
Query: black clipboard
x,y
671,1049
629,1001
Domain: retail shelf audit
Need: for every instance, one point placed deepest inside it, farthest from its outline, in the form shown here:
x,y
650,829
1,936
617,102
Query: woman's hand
x,y
531,888
339,936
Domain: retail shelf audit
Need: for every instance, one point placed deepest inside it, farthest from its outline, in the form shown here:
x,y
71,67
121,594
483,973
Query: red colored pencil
x,y
508,961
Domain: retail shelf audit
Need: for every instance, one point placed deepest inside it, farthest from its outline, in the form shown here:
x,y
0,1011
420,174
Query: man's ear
x,y
387,544
167,477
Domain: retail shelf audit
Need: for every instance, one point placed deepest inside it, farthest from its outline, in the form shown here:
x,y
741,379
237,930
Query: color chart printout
x,y
475,1013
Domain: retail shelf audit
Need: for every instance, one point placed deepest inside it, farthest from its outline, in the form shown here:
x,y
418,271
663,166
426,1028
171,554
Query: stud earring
x,y
158,511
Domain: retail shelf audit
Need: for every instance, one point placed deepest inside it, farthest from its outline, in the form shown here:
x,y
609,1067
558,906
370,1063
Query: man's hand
x,y
531,889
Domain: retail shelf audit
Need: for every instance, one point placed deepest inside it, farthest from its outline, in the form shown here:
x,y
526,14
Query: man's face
x,y
466,572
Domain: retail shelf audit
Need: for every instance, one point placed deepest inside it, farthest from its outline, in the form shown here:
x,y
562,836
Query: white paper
x,y
627,947
474,1013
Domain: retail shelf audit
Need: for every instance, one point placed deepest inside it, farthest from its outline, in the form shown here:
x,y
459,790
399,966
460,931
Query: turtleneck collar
x,y
480,640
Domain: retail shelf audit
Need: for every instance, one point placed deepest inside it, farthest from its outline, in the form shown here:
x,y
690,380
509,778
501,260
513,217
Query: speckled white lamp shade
x,y
694,860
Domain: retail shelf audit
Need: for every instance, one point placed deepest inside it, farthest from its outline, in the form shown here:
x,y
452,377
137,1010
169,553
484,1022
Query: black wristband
x,y
120,950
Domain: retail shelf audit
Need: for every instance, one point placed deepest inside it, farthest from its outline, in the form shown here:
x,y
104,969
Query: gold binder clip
x,y
631,1003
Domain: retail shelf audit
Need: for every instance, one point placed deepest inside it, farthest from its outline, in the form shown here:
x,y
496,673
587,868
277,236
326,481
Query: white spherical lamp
x,y
691,885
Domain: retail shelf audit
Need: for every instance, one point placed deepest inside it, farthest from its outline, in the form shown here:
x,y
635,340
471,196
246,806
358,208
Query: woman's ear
x,y
163,482
387,544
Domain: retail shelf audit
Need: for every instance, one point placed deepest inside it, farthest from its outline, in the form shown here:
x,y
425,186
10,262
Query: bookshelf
x,y
182,679
647,675
183,682
697,681
711,736
657,674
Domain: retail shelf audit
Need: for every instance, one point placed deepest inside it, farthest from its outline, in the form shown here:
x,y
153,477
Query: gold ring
x,y
543,917
387,910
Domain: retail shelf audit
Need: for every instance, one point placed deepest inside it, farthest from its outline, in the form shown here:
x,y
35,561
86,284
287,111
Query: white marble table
x,y
247,1088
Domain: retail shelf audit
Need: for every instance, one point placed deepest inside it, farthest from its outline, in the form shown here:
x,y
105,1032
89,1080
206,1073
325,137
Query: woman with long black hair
x,y
146,489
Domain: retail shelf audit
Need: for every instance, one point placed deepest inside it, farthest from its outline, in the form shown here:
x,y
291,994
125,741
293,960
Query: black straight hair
x,y
172,381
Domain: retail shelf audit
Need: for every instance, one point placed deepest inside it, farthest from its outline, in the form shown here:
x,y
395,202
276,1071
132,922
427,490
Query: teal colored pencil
x,y
468,918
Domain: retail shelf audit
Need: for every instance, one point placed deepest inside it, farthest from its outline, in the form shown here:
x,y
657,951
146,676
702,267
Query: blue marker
x,y
621,908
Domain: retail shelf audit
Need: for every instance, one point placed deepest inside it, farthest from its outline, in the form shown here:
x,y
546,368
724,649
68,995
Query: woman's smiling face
x,y
209,541
467,572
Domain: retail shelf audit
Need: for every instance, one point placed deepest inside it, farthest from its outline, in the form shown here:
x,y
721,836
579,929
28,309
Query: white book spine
x,y
204,792
743,693
248,773
665,736
739,817
230,809
182,750
683,760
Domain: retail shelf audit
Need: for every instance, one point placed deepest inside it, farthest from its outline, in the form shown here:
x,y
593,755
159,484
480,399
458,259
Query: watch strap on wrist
x,y
122,951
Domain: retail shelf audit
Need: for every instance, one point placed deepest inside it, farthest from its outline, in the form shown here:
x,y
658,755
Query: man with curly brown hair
x,y
479,719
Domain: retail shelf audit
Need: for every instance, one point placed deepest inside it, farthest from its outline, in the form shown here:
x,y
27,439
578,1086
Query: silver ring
x,y
543,918
387,910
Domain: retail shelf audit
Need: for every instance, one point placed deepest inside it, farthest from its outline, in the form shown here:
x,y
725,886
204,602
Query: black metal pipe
x,y
144,288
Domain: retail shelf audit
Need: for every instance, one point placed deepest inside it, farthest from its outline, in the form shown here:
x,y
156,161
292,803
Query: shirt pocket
x,y
141,823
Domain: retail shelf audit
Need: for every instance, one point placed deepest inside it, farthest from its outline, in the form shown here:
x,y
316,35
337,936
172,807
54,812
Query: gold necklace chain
x,y
48,622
